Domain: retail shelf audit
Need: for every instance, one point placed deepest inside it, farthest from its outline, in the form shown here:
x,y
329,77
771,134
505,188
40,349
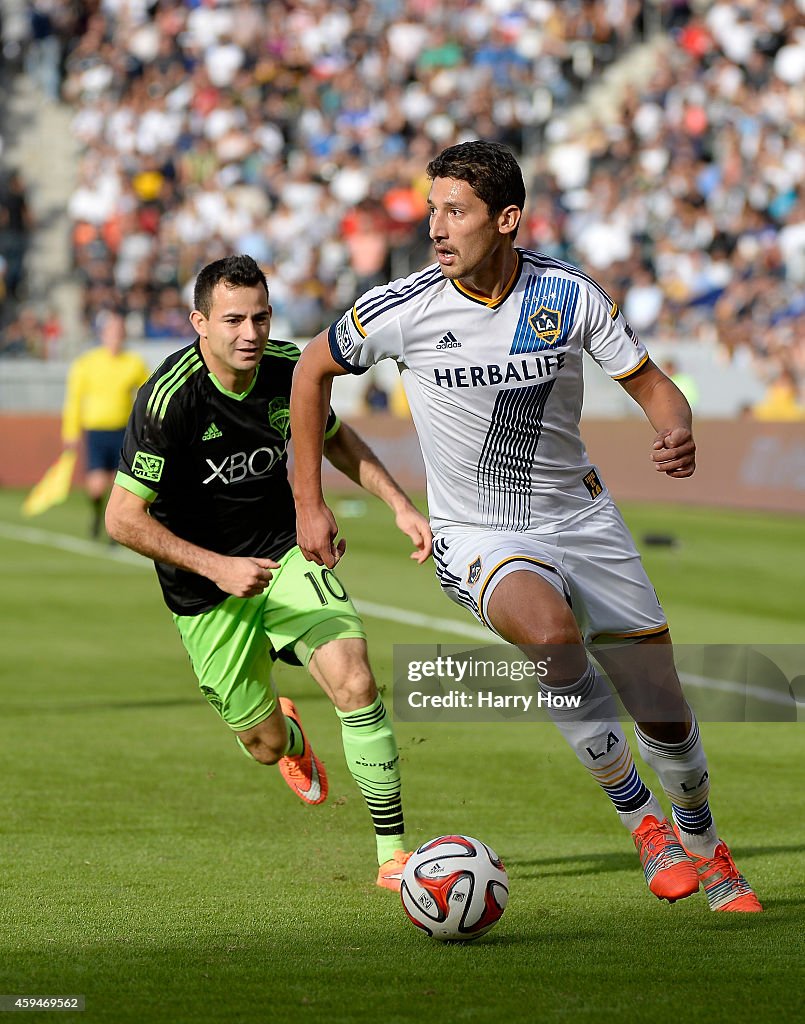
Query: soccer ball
x,y
454,888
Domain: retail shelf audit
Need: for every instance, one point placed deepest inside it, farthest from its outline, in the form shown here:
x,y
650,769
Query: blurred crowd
x,y
690,205
298,131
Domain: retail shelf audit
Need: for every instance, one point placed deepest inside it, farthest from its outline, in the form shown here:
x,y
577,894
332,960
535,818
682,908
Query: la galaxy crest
x,y
474,572
546,324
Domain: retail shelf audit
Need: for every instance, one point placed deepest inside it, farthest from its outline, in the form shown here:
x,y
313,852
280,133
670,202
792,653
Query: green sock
x,y
296,741
371,754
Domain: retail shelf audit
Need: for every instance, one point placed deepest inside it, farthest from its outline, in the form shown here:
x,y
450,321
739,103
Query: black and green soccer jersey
x,y
213,464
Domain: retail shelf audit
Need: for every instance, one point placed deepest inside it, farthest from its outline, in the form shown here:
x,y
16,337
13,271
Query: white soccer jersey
x,y
495,387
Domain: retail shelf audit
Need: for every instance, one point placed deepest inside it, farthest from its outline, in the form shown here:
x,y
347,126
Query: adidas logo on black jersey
x,y
449,341
211,433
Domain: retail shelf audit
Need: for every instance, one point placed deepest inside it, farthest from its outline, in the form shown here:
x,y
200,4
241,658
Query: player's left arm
x,y
667,410
350,454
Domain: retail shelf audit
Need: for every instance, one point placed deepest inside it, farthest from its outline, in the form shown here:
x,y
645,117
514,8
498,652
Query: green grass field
x,y
146,865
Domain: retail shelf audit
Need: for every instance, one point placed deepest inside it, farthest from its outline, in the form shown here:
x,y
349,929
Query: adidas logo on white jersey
x,y
448,341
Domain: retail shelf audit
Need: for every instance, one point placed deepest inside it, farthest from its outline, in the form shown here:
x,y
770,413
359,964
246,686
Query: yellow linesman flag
x,y
54,486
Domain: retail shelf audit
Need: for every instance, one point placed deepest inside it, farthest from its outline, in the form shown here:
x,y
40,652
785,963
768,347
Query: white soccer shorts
x,y
592,562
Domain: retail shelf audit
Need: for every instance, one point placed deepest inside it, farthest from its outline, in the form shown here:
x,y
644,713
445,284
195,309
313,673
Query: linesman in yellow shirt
x,y
101,387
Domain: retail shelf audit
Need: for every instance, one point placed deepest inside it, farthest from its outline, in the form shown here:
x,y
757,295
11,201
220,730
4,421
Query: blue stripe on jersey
x,y
504,467
557,298
369,309
539,259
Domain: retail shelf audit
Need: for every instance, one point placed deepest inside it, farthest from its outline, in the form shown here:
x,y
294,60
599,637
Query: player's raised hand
x,y
674,452
316,530
416,526
244,577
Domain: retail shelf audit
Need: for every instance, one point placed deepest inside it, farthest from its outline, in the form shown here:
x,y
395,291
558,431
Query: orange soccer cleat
x,y
723,884
670,873
389,874
304,773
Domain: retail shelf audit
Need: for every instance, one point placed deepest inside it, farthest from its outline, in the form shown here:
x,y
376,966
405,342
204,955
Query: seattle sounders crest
x,y
279,416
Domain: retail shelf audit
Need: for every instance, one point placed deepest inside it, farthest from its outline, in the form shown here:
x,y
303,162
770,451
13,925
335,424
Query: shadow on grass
x,y
605,863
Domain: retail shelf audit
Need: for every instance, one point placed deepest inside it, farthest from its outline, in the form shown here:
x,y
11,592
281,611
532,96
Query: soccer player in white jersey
x,y
489,341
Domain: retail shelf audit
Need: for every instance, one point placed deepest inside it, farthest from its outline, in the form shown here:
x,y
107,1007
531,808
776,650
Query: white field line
x,y
387,613
91,549
743,690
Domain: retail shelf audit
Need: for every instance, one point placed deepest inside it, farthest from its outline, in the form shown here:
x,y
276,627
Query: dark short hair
x,y
489,169
237,271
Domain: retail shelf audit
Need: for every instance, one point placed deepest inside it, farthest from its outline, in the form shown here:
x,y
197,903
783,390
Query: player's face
x,y
234,336
468,242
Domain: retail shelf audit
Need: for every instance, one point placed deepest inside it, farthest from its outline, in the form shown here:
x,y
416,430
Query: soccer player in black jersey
x,y
203,490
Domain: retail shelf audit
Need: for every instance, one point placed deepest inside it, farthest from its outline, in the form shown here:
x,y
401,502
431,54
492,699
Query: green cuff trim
x,y
333,429
128,483
339,627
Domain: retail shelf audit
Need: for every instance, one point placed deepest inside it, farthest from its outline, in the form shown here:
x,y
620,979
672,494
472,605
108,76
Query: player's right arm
x,y
316,528
129,523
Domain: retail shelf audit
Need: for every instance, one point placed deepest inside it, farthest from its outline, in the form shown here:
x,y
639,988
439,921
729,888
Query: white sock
x,y
599,742
683,773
